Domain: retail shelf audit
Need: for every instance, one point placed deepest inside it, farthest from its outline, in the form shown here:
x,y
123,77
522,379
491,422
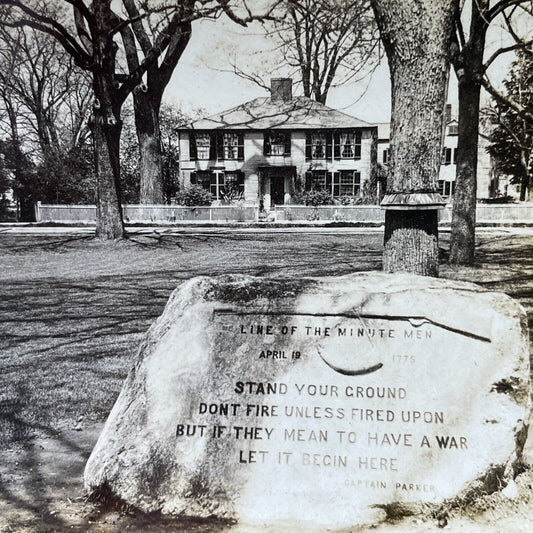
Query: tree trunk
x,y
462,243
529,176
469,68
150,155
417,36
106,138
106,127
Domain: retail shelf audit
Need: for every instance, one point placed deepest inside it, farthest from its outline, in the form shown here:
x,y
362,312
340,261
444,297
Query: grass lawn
x,y
72,309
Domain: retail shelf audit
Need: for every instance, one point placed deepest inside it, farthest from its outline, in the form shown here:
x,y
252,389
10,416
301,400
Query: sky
x,y
204,78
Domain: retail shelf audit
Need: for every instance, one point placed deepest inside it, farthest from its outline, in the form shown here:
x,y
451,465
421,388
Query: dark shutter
x,y
357,183
266,143
287,144
240,147
336,146
329,182
328,145
220,145
357,146
212,146
308,180
193,153
194,179
307,146
336,184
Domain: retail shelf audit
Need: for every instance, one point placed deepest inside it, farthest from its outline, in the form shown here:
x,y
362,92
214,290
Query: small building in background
x,y
267,150
489,184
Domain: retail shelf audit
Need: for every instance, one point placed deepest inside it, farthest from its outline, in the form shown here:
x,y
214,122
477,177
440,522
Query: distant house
x,y
263,151
487,185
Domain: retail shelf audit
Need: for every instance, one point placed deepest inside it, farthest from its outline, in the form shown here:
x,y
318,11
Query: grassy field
x,y
72,309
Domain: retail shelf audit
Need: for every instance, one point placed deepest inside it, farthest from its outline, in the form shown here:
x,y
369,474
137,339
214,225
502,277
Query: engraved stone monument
x,y
315,400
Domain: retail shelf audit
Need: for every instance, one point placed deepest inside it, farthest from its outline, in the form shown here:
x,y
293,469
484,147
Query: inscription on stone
x,y
311,402
358,400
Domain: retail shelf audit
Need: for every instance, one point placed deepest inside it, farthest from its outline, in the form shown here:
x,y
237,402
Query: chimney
x,y
281,89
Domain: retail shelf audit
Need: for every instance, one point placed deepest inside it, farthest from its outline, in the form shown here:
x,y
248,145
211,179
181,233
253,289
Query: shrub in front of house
x,y
193,195
314,197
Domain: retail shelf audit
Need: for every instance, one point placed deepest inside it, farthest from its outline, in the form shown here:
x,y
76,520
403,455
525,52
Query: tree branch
x,y
504,50
505,100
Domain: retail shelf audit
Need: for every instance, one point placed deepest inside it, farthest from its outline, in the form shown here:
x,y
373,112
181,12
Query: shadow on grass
x,y
71,330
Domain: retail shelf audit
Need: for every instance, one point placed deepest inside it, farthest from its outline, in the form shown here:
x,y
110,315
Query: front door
x,y
277,190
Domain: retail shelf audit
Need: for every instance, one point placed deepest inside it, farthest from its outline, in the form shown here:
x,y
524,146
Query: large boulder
x,y
316,400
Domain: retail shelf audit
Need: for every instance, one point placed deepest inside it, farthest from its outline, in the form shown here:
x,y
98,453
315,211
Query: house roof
x,y
264,113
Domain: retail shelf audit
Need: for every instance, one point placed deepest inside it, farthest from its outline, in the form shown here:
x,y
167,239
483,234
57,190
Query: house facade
x,y
267,150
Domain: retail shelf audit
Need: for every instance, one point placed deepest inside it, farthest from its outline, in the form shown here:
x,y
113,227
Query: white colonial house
x,y
263,150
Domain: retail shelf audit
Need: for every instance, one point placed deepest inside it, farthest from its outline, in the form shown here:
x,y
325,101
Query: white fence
x,y
486,213
332,213
150,213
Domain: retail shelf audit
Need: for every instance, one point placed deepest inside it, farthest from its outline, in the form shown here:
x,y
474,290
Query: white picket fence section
x,y
149,213
486,213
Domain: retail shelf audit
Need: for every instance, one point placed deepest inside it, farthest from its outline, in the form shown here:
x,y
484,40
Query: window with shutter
x,y
232,143
347,145
346,183
204,179
203,145
279,143
318,146
318,179
234,184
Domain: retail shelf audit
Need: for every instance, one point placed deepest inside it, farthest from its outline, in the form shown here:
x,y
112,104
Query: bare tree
x,y
143,35
417,36
52,94
326,43
94,44
471,69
